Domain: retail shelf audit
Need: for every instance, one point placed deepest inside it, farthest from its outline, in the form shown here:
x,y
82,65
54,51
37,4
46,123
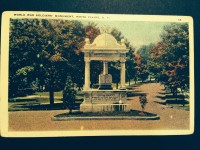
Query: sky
x,y
137,33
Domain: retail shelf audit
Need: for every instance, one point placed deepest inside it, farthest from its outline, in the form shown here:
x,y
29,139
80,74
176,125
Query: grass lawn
x,y
59,94
56,94
40,103
24,104
179,106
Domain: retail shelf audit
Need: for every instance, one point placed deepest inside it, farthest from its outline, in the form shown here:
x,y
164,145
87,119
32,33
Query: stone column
x,y
87,75
105,67
123,74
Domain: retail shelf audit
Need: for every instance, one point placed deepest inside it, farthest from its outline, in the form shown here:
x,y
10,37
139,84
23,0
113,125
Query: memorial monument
x,y
105,48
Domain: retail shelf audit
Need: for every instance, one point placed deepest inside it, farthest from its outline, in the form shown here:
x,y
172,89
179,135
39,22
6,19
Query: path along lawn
x,y
170,118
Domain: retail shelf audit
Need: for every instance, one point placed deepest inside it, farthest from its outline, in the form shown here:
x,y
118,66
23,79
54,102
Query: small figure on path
x,y
143,102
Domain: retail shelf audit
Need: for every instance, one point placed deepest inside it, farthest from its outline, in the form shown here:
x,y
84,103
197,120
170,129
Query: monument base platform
x,y
105,87
104,100
104,107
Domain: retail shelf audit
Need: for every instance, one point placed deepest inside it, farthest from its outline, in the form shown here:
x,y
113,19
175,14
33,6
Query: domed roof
x,y
104,41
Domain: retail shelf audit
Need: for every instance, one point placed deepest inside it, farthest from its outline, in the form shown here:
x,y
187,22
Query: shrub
x,y
143,102
69,96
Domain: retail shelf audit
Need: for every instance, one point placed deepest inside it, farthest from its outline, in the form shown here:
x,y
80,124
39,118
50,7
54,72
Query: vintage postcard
x,y
84,74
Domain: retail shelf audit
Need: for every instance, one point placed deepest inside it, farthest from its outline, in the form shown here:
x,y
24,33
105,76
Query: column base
x,y
86,88
122,88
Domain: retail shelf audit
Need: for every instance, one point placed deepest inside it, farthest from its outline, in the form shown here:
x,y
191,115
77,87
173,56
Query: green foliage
x,y
117,34
24,71
144,52
141,66
96,67
130,69
168,60
24,45
146,66
69,96
130,63
114,70
50,48
92,31
96,70
173,55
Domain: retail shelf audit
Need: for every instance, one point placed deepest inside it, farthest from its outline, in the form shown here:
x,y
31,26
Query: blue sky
x,y
138,33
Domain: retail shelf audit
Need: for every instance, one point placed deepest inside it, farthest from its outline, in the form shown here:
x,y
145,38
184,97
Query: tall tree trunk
x,y
51,96
183,94
171,89
129,82
176,93
117,85
79,87
51,90
70,111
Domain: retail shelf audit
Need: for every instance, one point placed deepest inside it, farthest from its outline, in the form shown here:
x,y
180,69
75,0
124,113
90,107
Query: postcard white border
x,y
85,16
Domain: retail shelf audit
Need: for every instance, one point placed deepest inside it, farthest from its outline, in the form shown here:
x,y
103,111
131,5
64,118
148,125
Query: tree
x,y
130,70
96,70
114,69
96,67
62,53
69,96
53,64
24,45
72,50
142,69
148,66
92,31
47,49
176,55
172,52
130,63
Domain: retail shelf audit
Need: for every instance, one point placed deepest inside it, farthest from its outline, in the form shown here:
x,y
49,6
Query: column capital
x,y
87,59
122,58
122,61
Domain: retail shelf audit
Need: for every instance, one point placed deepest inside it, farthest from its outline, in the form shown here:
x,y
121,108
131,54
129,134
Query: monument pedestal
x,y
105,86
105,82
104,100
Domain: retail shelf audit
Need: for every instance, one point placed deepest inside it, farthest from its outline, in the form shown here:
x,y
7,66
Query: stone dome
x,y
104,41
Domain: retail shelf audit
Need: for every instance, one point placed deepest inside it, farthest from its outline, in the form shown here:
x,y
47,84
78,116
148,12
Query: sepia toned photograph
x,y
75,74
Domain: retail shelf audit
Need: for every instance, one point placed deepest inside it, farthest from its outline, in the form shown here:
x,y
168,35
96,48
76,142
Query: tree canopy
x,y
168,60
174,53
43,51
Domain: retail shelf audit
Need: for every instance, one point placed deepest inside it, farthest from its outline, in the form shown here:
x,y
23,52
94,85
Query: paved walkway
x,y
170,118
